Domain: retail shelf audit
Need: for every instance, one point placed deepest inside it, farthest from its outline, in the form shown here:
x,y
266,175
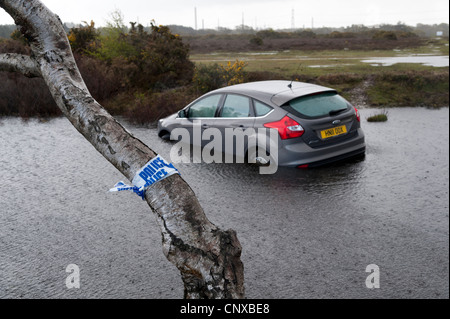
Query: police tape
x,y
154,171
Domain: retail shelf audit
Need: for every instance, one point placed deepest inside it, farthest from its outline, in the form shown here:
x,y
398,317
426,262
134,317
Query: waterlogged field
x,y
385,78
316,63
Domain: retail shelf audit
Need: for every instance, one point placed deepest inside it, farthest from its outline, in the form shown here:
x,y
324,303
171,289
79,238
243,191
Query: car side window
x,y
261,109
205,107
236,106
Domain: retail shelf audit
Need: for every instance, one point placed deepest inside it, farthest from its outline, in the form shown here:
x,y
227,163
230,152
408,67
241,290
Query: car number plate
x,y
335,131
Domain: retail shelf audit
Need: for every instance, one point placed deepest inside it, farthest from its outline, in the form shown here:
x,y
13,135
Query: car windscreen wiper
x,y
336,112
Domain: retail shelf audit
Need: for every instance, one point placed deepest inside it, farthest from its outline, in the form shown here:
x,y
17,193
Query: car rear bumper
x,y
297,154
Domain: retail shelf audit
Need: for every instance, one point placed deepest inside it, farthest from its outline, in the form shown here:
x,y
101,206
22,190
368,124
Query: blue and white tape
x,y
121,186
154,171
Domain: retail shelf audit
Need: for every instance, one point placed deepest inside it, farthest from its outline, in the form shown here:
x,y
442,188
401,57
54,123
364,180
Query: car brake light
x,y
287,127
358,116
304,166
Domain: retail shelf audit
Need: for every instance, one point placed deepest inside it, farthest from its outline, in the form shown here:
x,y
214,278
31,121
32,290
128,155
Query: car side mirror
x,y
183,114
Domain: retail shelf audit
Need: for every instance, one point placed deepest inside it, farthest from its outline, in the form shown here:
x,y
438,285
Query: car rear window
x,y
261,109
317,105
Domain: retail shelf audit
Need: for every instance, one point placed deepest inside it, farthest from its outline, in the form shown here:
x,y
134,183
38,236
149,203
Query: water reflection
x,y
310,180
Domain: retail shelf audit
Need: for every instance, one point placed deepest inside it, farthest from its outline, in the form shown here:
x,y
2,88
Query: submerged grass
x,y
381,117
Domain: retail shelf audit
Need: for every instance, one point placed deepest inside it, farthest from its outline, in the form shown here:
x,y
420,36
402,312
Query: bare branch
x,y
24,64
207,257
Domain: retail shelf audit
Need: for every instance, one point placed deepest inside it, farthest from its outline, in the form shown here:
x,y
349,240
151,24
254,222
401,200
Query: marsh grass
x,y
380,117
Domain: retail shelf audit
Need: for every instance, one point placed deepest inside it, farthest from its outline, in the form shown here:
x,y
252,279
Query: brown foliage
x,y
101,80
21,96
150,108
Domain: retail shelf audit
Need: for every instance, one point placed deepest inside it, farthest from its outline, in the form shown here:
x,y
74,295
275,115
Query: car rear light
x,y
304,166
358,116
287,127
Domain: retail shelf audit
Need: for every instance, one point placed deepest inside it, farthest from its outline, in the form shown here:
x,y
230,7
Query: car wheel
x,y
164,135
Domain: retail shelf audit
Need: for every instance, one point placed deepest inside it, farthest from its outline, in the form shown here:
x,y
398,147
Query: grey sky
x,y
256,13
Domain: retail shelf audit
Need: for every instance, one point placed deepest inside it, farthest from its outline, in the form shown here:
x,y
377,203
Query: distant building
x,y
439,33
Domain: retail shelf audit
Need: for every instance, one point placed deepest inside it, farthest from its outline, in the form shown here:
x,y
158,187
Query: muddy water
x,y
305,233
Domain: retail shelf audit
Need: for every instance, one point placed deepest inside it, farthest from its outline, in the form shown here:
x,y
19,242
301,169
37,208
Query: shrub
x,y
270,34
147,108
256,41
341,35
233,73
207,78
100,78
164,62
210,77
155,60
20,96
83,39
385,35
306,34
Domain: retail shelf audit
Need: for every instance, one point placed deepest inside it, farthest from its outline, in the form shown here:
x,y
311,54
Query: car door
x,y
200,116
235,118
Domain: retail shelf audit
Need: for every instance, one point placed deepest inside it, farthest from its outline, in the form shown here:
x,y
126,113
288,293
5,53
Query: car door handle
x,y
240,126
205,126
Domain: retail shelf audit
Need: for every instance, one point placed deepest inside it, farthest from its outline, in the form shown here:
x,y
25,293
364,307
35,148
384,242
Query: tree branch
x,y
207,257
24,64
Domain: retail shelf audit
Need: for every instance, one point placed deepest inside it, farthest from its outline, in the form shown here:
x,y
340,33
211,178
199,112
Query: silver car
x,y
315,124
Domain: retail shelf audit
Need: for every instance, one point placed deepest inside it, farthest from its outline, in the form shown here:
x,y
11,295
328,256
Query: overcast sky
x,y
256,13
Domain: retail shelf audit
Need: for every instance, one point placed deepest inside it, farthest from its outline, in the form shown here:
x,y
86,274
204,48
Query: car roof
x,y
275,92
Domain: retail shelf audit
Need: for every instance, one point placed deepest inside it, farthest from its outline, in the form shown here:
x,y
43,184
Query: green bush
x,y
256,41
210,77
83,39
385,35
207,78
306,34
270,34
341,35
154,60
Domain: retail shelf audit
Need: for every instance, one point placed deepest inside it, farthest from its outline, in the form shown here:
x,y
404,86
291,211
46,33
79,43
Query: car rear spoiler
x,y
298,90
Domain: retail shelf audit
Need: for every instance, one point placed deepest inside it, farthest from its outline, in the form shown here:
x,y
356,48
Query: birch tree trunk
x,y
207,257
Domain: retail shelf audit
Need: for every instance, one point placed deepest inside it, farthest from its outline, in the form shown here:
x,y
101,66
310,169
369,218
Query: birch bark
x,y
208,258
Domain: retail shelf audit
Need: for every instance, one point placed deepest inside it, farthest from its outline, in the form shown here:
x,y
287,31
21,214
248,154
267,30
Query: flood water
x,y
428,60
305,233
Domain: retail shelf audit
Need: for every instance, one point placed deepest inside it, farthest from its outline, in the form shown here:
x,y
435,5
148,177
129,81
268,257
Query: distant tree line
x,y
421,30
